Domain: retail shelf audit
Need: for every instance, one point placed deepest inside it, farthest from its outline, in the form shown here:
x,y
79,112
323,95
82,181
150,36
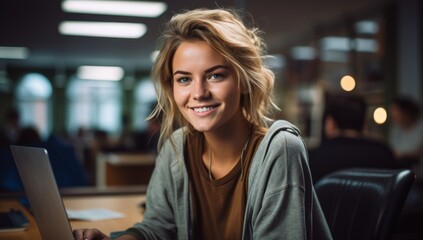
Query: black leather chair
x,y
363,204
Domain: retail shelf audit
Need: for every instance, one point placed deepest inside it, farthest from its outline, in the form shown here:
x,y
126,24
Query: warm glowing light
x,y
347,83
380,115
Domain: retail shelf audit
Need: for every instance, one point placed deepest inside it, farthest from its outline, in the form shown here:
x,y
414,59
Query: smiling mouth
x,y
204,109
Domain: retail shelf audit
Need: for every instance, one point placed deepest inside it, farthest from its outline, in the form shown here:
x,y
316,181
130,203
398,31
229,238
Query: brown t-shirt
x,y
218,205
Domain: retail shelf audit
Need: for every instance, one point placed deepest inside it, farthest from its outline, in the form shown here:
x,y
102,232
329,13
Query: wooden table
x,y
126,204
124,169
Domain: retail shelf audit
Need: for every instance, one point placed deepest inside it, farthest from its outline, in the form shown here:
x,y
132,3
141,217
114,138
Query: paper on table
x,y
93,214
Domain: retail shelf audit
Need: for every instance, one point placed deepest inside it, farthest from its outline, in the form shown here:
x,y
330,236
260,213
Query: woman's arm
x,y
281,201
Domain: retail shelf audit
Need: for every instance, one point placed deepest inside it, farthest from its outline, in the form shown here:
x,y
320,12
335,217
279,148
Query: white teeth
x,y
203,109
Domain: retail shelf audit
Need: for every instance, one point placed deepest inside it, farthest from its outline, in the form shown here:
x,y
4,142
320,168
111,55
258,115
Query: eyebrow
x,y
207,71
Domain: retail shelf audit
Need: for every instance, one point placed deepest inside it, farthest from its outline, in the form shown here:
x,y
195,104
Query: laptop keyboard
x,y
12,220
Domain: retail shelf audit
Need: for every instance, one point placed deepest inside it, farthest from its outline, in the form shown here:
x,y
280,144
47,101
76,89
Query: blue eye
x,y
183,80
216,76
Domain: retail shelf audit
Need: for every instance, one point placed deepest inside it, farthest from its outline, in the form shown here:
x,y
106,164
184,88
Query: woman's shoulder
x,y
282,130
281,155
174,145
284,125
281,137
176,139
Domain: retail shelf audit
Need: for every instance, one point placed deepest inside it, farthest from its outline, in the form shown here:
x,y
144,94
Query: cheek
x,y
233,96
180,96
176,97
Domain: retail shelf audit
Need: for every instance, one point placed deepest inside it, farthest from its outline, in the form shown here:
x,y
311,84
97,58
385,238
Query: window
x,y
94,104
33,95
145,98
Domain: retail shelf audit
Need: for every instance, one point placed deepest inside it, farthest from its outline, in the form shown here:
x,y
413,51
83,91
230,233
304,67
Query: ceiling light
x,y
303,53
103,29
108,73
14,52
366,45
121,8
345,44
367,27
336,43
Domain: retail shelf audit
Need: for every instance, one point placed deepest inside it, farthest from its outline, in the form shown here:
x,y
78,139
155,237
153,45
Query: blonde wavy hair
x,y
243,49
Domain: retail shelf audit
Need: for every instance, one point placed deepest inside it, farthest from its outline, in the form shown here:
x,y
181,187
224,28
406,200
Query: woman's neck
x,y
226,143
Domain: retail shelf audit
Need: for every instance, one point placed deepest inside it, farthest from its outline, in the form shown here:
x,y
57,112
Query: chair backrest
x,y
363,203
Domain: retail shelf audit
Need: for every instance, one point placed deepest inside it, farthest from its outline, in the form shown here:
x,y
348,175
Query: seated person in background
x,y
345,144
126,140
29,136
9,176
66,168
406,132
9,132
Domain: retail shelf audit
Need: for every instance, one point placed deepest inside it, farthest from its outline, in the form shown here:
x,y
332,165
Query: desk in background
x,y
127,204
124,169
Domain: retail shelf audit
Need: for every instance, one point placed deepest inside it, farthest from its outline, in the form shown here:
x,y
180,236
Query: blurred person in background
x,y
81,140
125,141
67,169
345,144
406,133
29,136
10,131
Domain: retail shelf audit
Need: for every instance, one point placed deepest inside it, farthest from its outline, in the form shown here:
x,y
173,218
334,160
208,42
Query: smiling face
x,y
205,88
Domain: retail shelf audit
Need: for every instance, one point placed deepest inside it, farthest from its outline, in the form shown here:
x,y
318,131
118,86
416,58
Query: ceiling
x,y
34,24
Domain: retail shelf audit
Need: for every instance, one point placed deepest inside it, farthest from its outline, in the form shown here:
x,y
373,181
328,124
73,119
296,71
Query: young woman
x,y
223,174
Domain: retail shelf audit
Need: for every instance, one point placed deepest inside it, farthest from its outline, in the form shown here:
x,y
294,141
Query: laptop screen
x,y
37,177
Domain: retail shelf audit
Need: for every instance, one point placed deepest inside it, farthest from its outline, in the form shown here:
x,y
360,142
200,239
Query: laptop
x,y
37,178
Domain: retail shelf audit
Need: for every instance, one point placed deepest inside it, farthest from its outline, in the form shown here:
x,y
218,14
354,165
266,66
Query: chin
x,y
201,128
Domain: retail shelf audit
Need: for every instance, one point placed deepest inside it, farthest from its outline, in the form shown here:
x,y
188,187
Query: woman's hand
x,y
89,234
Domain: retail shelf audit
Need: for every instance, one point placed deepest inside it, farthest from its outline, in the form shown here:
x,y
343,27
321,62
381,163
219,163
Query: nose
x,y
200,89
